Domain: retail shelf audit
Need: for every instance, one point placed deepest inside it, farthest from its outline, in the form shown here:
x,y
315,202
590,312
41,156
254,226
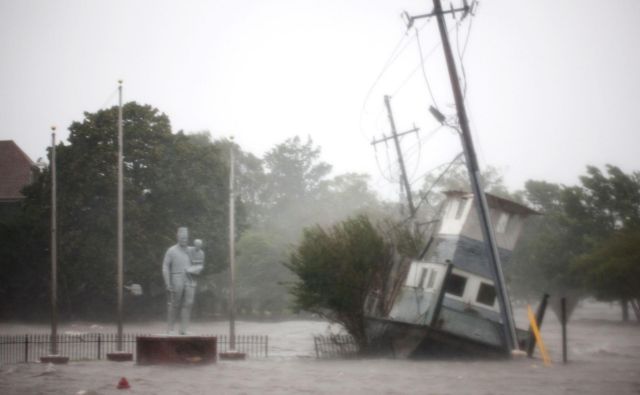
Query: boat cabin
x,y
469,305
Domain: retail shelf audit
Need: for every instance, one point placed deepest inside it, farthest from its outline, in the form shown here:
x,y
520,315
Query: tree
x,y
292,192
24,255
556,251
298,192
612,270
606,209
294,172
541,260
170,180
260,273
338,268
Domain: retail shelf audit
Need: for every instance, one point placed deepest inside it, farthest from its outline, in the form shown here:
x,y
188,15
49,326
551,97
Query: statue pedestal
x,y
164,349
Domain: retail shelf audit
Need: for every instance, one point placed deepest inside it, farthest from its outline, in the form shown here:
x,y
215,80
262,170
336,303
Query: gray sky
x,y
552,85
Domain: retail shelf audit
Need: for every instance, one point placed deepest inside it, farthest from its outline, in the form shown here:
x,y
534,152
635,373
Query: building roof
x,y
15,170
499,203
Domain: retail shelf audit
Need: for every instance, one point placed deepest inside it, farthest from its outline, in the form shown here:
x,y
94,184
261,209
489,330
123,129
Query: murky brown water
x,y
604,359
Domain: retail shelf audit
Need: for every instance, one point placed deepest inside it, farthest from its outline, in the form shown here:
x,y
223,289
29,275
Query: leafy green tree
x,y
343,196
541,260
338,268
577,221
261,275
292,192
294,171
612,270
24,253
605,206
170,180
298,191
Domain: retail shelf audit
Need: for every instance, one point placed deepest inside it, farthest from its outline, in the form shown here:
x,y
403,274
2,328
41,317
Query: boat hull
x,y
406,340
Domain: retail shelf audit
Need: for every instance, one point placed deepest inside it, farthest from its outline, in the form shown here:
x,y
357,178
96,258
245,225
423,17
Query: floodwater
x,y
604,358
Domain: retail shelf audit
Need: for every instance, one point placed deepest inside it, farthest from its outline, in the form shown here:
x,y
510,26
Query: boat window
x,y
503,221
486,294
453,208
432,279
456,284
460,209
423,276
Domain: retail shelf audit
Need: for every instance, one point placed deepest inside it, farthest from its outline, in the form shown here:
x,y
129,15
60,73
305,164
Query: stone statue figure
x,y
197,259
180,266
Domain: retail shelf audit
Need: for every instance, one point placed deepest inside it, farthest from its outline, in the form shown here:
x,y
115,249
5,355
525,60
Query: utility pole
x,y
394,135
474,171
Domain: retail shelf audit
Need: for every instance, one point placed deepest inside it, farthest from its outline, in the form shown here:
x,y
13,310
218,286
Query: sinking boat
x,y
446,301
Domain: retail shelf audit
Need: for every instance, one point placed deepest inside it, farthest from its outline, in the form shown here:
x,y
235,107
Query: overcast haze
x,y
552,85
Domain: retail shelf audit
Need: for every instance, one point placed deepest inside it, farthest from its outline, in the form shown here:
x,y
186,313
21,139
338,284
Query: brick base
x,y
153,350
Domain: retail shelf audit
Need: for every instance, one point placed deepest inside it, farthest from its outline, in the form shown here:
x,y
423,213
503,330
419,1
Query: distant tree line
x,y
170,180
289,205
587,240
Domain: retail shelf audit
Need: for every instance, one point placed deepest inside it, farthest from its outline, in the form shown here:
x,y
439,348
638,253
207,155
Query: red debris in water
x,y
123,384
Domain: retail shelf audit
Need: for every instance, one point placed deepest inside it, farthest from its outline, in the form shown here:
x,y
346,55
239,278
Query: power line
x,y
382,173
417,147
464,48
395,54
424,196
415,69
424,73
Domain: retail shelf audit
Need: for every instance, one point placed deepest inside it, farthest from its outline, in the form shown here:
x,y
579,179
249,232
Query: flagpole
x,y
54,248
120,219
120,355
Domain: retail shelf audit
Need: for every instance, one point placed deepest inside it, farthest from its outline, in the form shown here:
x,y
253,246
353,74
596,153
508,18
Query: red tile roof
x,y
15,171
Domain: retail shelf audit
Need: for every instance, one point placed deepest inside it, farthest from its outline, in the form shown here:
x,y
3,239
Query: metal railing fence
x,y
335,346
95,346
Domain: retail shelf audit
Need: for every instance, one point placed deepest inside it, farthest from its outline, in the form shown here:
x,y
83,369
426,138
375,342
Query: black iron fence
x,y
255,346
95,346
335,346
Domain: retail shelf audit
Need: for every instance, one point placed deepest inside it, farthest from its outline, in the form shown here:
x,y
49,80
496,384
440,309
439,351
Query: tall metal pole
x,y
232,254
563,322
54,248
405,180
474,174
120,220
